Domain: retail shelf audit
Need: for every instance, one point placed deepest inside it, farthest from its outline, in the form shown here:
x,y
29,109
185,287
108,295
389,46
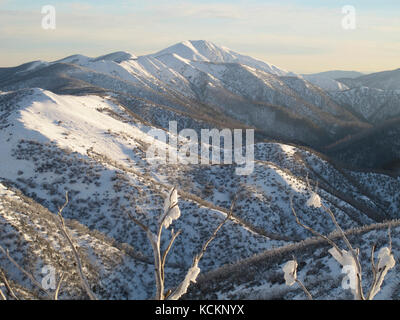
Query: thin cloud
x,y
292,36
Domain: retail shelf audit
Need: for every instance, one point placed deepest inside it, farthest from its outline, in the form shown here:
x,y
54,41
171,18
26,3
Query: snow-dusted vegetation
x,y
81,125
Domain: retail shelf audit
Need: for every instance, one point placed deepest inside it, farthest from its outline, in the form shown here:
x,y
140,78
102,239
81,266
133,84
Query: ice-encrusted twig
x,y
350,258
194,271
386,262
290,275
171,213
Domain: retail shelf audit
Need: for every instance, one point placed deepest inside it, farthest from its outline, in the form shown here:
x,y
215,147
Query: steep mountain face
x,y
373,105
374,148
328,80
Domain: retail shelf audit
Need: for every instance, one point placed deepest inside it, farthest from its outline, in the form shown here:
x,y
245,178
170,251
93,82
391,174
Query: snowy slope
x,y
325,83
262,278
91,147
85,145
385,80
375,105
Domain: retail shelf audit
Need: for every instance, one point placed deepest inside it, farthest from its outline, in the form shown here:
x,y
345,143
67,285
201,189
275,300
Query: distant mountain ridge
x,y
385,80
337,74
215,84
202,79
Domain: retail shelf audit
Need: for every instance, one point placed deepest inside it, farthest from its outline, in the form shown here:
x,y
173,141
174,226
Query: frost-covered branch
x,y
333,244
348,259
194,271
290,275
171,212
386,262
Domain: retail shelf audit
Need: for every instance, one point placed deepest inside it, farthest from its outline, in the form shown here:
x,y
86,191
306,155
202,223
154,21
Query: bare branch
x,y
373,267
214,235
58,286
193,271
294,276
30,276
7,284
308,294
347,242
333,244
3,297
141,225
64,231
373,261
164,258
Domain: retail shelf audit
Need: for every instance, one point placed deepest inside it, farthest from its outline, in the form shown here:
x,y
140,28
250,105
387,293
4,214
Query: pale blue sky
x,y
298,35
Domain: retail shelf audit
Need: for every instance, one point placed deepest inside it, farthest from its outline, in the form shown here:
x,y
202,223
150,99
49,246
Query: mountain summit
x,y
201,50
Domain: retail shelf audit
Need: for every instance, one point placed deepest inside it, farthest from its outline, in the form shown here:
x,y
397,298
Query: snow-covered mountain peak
x,y
186,50
201,50
78,59
117,57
